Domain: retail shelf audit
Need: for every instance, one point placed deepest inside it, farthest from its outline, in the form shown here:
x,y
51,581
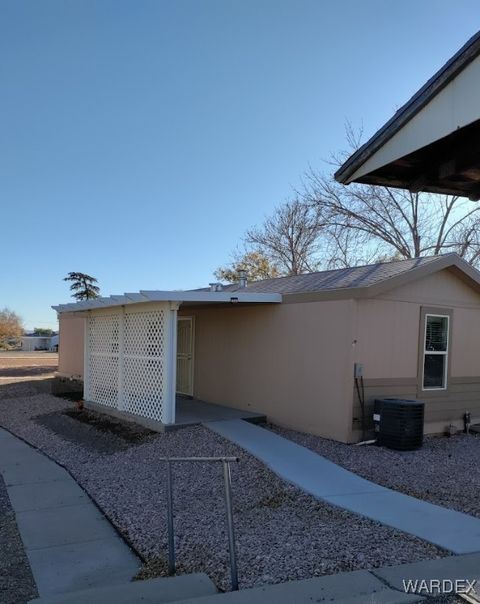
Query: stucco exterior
x,y
294,361
71,345
390,336
290,361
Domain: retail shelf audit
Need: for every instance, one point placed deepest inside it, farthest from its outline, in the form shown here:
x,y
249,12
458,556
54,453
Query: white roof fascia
x,y
120,299
135,297
169,296
196,296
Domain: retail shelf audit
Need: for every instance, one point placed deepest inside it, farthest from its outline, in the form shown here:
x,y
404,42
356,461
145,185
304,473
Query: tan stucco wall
x,y
70,345
290,361
388,336
294,362
395,318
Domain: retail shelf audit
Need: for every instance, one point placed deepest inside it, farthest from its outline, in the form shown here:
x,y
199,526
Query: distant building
x,y
31,342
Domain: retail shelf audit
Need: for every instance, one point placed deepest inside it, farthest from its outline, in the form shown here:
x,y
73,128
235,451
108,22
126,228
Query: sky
x,y
139,139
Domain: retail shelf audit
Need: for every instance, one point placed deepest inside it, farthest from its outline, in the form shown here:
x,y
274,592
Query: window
x,y
435,353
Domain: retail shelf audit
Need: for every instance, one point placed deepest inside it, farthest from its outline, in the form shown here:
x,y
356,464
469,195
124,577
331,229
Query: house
x,y
32,342
288,347
54,343
432,142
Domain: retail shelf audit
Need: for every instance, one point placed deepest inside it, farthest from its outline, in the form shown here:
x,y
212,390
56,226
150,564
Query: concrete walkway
x,y
387,585
69,543
378,586
453,531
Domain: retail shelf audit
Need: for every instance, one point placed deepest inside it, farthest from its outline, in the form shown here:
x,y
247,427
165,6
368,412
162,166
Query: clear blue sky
x,y
140,138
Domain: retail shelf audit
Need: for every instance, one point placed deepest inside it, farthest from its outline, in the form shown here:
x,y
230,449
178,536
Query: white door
x,y
185,355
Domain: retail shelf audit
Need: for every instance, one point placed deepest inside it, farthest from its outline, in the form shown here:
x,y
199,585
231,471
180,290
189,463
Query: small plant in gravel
x,y
157,567
275,500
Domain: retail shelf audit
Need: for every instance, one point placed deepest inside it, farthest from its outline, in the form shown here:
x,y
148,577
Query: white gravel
x,y
445,471
282,533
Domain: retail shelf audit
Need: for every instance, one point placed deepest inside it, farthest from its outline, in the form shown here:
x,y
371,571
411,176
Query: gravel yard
x,y
16,581
282,533
445,471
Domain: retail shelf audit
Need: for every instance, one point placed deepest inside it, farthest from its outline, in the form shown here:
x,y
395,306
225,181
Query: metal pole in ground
x,y
171,542
230,528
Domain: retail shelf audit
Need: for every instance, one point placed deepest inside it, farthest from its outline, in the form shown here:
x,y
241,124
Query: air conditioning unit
x,y
399,423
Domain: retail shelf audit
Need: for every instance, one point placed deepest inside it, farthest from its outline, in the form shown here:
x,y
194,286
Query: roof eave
x,y
470,274
416,103
170,296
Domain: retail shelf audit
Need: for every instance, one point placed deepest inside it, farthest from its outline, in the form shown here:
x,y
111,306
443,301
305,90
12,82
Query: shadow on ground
x,y
95,431
25,371
15,388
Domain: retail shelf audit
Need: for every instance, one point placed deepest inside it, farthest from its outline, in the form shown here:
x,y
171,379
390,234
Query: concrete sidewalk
x,y
69,543
387,585
451,530
378,586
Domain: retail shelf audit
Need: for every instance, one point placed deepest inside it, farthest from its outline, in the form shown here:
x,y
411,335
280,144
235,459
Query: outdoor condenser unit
x,y
399,423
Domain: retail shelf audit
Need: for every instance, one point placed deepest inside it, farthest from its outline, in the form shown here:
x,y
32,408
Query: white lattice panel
x,y
144,379
103,359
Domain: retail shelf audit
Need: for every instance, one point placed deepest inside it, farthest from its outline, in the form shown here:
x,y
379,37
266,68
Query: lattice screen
x,y
127,362
103,362
144,365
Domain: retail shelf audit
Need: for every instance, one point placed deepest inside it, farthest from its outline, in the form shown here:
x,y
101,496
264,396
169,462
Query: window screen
x,y
435,352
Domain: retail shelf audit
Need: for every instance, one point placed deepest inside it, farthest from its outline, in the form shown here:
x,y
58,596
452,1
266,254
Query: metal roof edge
x,y
170,296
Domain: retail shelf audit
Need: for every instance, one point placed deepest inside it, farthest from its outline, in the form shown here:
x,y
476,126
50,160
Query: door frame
x,y
190,318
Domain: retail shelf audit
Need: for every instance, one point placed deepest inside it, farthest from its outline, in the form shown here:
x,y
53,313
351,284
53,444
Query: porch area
x,y
188,412
191,411
138,355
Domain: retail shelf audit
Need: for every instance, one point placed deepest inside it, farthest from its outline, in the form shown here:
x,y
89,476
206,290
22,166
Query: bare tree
x,y
345,248
290,237
393,222
328,225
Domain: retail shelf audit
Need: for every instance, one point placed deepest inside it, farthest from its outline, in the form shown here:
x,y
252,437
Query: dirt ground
x,y
27,364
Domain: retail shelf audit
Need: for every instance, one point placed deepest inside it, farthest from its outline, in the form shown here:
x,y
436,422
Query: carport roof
x,y
189,296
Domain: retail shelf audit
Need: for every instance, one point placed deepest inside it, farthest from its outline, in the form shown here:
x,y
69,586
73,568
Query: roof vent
x,y
215,287
242,278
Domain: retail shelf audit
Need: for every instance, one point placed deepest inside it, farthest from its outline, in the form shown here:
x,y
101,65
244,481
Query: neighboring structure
x,y
288,347
432,143
31,342
54,343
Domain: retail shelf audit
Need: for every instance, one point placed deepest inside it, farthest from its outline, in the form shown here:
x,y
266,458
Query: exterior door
x,y
185,355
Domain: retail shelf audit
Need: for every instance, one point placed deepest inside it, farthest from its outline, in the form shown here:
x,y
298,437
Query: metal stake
x,y
171,542
228,508
230,527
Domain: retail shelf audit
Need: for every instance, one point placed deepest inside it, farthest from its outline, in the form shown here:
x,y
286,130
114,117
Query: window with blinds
x,y
435,354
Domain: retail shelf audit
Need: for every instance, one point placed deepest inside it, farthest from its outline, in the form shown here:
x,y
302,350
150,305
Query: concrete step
x,y
151,591
357,587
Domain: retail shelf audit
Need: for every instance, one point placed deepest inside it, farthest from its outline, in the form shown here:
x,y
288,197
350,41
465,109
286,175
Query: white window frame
x,y
436,352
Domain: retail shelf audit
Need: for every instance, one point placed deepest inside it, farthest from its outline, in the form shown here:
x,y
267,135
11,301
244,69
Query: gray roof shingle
x,y
358,276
